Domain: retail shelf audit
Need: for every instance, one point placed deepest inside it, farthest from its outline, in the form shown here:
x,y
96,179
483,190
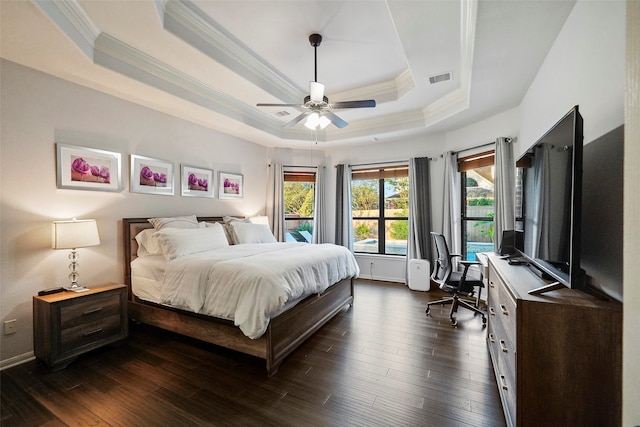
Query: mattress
x,y
247,283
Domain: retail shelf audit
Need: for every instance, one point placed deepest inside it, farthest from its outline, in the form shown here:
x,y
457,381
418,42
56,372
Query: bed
x,y
283,333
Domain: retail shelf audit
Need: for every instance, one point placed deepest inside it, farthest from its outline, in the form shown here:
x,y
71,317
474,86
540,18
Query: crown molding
x,y
124,59
71,18
189,23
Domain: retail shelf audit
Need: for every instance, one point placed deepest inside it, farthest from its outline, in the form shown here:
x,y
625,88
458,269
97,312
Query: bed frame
x,y
284,334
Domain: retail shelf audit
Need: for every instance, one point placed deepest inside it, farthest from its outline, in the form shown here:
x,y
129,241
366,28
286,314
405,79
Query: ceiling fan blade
x,y
316,91
337,121
297,120
368,103
279,105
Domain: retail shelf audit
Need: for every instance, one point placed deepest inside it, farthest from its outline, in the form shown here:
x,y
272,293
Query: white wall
x,y
39,110
585,67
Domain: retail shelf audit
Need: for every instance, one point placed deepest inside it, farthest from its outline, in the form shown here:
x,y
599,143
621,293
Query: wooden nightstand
x,y
68,324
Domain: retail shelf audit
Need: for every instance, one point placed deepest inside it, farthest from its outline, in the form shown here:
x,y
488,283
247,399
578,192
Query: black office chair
x,y
454,282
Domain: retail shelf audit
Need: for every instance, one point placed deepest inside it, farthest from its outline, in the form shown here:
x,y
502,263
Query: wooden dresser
x,y
67,324
557,357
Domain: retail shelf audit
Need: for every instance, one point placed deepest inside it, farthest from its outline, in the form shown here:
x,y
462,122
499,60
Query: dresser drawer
x,y
506,310
89,333
93,308
507,386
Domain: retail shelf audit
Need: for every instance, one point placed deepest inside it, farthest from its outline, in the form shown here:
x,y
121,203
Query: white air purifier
x,y
419,275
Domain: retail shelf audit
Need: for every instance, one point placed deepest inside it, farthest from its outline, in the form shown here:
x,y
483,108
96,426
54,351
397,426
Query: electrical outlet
x,y
10,326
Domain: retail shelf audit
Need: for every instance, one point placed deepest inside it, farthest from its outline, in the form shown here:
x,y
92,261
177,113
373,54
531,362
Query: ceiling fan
x,y
316,107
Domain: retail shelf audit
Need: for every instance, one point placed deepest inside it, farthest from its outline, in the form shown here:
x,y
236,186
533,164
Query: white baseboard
x,y
17,360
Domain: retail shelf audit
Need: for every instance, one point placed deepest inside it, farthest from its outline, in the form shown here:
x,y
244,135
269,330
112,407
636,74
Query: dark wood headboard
x,y
130,229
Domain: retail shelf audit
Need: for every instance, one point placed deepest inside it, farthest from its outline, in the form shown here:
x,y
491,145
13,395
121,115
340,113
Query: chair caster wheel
x,y
427,310
454,322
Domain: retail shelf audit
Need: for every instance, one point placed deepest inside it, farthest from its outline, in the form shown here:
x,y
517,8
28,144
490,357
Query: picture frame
x,y
230,186
151,176
83,168
197,182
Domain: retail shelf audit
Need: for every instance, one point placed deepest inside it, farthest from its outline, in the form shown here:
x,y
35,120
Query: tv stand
x,y
546,288
557,357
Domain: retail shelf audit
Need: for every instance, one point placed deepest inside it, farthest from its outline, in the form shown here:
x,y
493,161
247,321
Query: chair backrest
x,y
443,268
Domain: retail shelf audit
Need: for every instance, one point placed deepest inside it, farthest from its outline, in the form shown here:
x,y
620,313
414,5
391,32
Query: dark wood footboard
x,y
284,334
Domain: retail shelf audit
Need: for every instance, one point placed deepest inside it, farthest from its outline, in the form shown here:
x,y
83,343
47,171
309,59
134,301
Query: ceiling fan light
x,y
316,91
312,121
323,122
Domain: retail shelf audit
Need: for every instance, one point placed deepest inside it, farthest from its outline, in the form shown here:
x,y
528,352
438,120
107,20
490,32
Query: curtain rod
x,y
294,166
509,139
390,163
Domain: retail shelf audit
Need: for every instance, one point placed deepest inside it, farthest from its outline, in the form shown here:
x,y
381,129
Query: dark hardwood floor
x,y
382,362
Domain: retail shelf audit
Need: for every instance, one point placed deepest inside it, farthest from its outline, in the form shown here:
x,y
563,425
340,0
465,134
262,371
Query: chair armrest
x,y
468,264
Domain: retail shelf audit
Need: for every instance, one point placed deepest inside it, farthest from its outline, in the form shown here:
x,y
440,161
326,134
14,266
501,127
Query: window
x,y
299,194
477,178
379,207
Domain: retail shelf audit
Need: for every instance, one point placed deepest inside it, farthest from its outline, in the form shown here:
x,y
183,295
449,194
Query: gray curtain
x,y
505,190
451,213
344,228
419,240
319,207
275,200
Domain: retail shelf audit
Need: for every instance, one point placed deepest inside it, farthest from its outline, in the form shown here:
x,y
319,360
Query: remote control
x,y
50,291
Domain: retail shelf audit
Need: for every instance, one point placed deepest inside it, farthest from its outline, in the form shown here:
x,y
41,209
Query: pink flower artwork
x,y
89,170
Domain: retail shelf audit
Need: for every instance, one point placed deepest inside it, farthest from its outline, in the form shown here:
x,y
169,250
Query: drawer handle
x,y
93,310
93,331
504,310
492,338
503,382
503,346
492,311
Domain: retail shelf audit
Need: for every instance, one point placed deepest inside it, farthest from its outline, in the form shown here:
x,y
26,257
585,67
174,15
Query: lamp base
x,y
76,288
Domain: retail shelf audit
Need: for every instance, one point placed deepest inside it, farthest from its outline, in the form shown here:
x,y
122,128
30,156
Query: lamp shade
x,y
74,234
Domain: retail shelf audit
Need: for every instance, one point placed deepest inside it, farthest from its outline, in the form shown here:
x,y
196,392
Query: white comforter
x,y
251,282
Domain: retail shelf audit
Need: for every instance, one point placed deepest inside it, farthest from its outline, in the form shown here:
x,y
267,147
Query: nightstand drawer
x,y
90,333
96,307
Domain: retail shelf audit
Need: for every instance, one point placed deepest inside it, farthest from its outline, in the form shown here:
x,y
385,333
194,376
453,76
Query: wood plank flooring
x,y
382,362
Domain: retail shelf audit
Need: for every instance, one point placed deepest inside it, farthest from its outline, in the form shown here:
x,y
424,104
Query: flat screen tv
x,y
552,202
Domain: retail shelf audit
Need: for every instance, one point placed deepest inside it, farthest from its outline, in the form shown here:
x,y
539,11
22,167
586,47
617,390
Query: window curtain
x,y
275,200
505,190
419,239
319,206
542,207
344,227
451,213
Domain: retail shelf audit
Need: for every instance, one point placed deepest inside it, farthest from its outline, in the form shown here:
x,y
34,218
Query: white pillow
x,y
228,222
177,242
189,221
228,231
252,233
147,243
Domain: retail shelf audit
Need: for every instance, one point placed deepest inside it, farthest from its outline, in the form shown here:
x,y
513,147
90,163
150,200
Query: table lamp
x,y
72,235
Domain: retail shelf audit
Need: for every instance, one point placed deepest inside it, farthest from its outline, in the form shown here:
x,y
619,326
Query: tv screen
x,y
552,193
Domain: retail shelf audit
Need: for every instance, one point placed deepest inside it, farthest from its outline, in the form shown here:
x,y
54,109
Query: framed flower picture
x,y
151,176
230,186
197,182
82,168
